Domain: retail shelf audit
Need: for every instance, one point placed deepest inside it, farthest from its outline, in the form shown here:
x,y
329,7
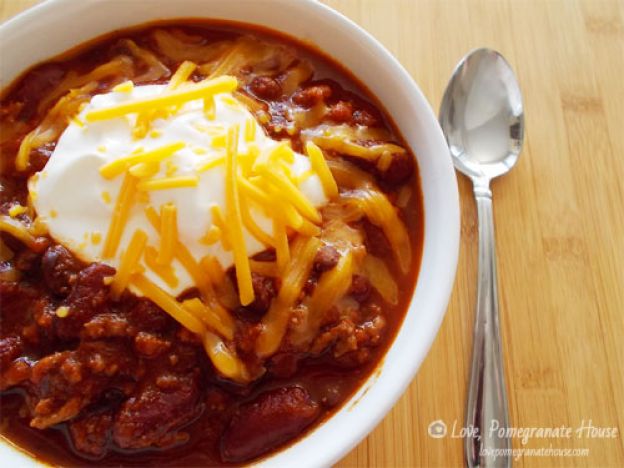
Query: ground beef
x,y
350,343
88,297
284,365
27,261
360,288
65,382
265,87
311,95
107,325
150,345
326,258
90,434
10,348
59,269
147,316
341,112
268,421
365,118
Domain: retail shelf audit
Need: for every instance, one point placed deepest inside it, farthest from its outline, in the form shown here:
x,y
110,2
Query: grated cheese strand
x,y
124,203
23,154
182,254
125,87
212,236
369,153
211,163
292,194
168,234
219,221
319,165
129,262
250,129
276,319
281,245
208,317
210,108
18,230
17,210
166,273
168,183
224,360
119,165
252,227
144,169
184,71
180,96
168,304
264,268
233,211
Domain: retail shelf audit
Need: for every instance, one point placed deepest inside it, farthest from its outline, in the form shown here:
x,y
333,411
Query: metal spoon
x,y
483,120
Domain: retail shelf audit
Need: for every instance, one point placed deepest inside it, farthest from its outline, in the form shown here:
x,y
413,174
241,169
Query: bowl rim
x,y
446,253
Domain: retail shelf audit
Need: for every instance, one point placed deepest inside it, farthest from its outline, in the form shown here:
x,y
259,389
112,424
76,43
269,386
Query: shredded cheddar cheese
x,y
211,163
219,222
208,317
369,153
250,129
119,165
224,359
144,169
176,97
184,71
219,141
294,277
294,196
166,273
168,183
168,304
252,227
168,234
212,236
281,245
23,154
319,165
119,217
17,210
129,262
17,230
209,107
264,268
232,203
125,87
384,161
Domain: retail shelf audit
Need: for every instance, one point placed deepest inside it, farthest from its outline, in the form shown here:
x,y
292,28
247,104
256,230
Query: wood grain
x,y
559,224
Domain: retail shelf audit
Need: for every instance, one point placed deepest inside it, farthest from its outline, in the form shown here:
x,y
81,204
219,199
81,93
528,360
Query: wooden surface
x,y
559,225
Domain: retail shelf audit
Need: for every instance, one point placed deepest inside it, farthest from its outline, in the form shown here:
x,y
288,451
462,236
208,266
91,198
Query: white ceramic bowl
x,y
58,25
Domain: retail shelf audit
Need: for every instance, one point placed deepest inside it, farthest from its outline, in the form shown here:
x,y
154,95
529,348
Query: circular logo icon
x,y
437,429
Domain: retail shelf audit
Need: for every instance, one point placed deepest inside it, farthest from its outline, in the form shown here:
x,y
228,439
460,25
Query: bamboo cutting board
x,y
559,228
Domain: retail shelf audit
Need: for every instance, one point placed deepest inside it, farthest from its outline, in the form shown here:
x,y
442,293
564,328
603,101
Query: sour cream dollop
x,y
77,202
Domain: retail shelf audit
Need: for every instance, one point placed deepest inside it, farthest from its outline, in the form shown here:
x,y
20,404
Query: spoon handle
x,y
487,397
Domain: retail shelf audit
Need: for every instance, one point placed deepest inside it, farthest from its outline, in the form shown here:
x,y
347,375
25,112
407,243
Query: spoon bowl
x,y
482,115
